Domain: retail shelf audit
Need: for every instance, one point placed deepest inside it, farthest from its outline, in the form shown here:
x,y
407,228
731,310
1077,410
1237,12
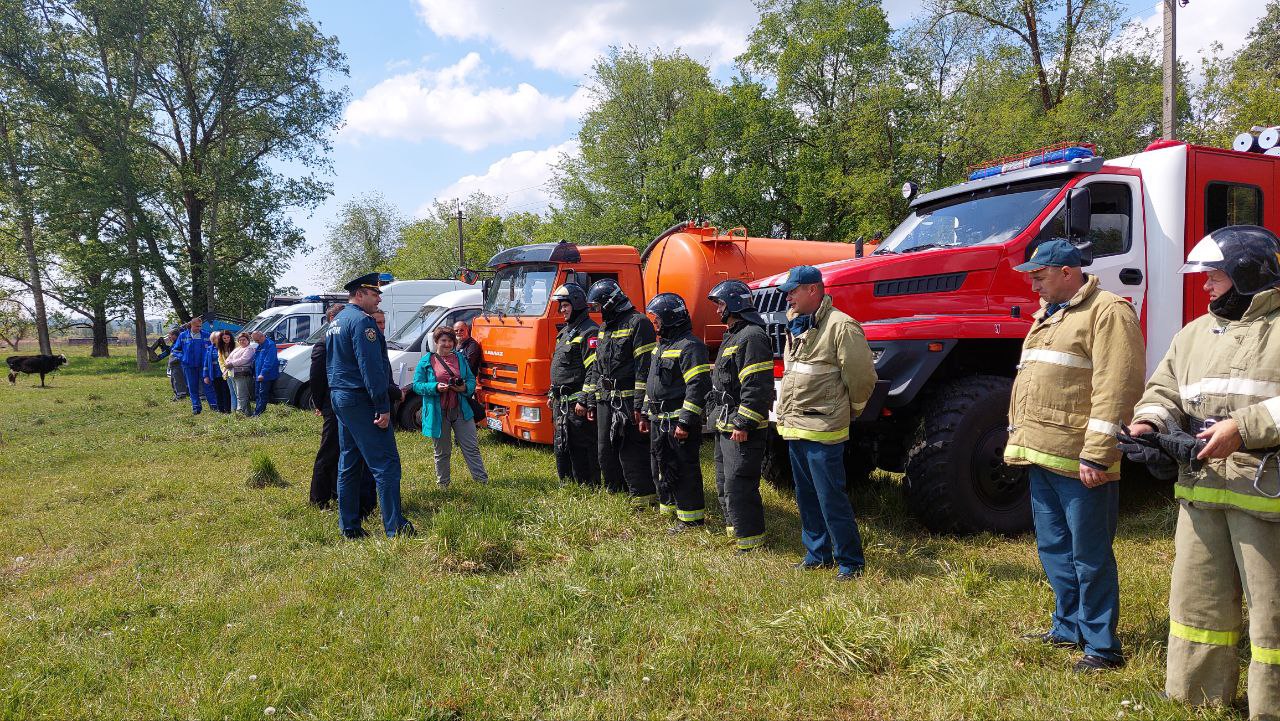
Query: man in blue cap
x,y
359,375
1079,376
827,379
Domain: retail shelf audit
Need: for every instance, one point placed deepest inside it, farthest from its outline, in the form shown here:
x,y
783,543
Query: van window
x,y
1231,204
1111,224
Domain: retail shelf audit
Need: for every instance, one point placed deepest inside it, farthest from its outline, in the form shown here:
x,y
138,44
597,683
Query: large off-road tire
x,y
956,478
305,399
410,414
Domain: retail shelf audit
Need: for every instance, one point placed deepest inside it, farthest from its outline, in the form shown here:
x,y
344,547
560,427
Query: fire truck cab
x,y
945,312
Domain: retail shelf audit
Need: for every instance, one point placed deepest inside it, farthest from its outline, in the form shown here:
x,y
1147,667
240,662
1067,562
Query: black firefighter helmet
x,y
1249,255
607,295
573,294
672,314
737,300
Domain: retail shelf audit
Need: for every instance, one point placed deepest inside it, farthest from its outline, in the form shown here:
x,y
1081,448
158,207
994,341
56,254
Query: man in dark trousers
x,y
469,347
679,378
577,457
739,404
324,474
359,375
623,354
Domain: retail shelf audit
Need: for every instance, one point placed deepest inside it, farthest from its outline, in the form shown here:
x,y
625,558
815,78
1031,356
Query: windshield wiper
x,y
393,345
927,246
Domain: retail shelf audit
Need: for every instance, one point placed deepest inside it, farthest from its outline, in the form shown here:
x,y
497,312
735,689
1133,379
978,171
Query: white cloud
x,y
568,35
1202,23
450,104
520,177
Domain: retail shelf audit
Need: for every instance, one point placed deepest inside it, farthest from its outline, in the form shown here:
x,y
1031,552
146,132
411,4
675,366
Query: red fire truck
x,y
945,312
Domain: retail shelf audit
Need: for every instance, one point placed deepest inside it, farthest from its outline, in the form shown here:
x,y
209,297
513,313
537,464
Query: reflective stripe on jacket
x,y
574,355
679,378
624,348
827,378
742,380
1081,371
1218,369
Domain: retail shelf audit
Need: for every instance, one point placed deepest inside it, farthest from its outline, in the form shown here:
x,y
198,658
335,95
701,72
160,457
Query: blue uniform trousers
x,y
1075,527
359,440
262,390
195,385
828,530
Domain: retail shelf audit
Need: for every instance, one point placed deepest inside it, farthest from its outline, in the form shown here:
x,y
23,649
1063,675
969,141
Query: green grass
x,y
140,577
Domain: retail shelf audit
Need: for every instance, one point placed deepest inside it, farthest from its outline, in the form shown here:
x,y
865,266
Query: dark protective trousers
x,y
359,439
195,385
679,480
1075,526
827,527
624,460
577,454
220,399
738,486
324,473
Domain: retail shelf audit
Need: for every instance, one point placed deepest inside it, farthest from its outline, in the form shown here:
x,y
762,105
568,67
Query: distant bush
x,y
263,473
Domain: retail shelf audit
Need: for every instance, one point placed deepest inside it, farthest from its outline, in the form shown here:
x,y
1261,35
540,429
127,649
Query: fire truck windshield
x,y
986,217
521,290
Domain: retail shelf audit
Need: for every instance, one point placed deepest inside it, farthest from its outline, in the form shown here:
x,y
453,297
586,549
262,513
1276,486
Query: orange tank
x,y
690,260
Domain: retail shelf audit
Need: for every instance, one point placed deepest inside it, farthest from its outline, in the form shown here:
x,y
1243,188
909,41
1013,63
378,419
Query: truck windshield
x,y
317,335
413,328
522,290
986,217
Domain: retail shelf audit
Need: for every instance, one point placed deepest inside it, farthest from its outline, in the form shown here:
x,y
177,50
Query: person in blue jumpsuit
x,y
358,378
191,346
266,369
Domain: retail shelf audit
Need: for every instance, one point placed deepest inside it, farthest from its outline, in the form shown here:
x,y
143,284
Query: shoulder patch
x,y
593,342
371,334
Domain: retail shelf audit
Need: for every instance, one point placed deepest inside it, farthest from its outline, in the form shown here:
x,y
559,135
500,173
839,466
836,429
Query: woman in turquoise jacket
x,y
446,383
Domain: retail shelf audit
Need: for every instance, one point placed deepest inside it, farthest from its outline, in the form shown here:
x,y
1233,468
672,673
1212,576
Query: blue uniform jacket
x,y
357,357
212,370
265,361
191,348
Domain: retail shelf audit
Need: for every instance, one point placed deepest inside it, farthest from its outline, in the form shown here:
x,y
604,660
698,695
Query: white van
x,y
294,385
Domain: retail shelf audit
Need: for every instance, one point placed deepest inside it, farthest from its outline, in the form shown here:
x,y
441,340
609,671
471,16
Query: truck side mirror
x,y
468,276
1079,213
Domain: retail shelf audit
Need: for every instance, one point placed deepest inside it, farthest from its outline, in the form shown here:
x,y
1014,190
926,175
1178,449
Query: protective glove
x,y
1162,452
1158,463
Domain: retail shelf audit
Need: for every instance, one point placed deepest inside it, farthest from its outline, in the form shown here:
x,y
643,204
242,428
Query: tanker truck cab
x,y
945,313
517,326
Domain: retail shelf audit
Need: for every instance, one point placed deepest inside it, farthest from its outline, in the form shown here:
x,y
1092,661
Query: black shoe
x,y
746,551
806,566
1048,638
354,534
407,530
682,526
849,575
1091,663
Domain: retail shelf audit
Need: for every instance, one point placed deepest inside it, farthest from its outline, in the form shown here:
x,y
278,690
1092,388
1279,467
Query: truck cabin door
x,y
1227,189
1116,233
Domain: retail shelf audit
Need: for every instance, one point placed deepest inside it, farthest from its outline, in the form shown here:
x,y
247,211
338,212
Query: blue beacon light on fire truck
x,y
1049,156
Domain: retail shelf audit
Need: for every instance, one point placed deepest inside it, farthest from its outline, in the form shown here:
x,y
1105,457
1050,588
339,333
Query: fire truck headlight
x,y
530,414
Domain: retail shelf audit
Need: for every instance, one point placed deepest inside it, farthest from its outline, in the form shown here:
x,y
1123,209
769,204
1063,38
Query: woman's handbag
x,y
477,409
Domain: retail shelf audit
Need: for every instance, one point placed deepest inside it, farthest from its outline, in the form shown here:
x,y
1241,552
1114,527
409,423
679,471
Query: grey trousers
x,y
177,380
465,431
244,393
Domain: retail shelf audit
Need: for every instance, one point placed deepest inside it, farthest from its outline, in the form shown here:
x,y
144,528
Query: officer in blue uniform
x,y
190,347
358,378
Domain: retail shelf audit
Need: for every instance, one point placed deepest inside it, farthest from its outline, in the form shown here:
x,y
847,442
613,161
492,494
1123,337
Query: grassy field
x,y
140,577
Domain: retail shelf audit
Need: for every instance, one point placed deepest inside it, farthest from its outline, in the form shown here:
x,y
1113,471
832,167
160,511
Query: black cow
x,y
28,364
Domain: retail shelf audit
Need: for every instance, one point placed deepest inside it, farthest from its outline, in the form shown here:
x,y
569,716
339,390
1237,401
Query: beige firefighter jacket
x,y
828,375
1080,373
1218,369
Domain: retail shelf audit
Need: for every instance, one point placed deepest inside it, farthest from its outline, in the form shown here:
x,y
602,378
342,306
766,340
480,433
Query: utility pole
x,y
1170,67
462,258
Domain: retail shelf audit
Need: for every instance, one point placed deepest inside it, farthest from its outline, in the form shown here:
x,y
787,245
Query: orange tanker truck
x,y
518,324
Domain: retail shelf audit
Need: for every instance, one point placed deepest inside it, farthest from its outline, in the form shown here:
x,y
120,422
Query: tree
x,y
16,322
363,239
428,247
17,151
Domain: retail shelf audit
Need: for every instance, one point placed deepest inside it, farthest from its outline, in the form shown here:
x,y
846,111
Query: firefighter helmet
x,y
573,294
1249,255
607,295
671,312
737,300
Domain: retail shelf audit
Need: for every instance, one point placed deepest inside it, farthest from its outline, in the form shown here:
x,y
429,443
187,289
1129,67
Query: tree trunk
x,y
209,257
99,324
28,223
195,251
139,306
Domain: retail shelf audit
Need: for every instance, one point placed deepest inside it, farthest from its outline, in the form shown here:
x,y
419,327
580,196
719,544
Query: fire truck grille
x,y
772,304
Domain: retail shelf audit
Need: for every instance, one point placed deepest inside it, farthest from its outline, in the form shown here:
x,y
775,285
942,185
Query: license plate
x,y
495,423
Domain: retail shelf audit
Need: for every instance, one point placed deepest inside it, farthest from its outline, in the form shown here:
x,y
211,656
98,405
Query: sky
x,y
448,97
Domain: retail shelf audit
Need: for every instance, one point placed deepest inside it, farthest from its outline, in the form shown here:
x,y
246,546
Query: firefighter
x,y
679,379
1220,381
577,457
1080,372
623,352
741,396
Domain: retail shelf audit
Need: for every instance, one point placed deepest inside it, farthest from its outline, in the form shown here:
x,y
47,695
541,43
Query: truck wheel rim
x,y
999,485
